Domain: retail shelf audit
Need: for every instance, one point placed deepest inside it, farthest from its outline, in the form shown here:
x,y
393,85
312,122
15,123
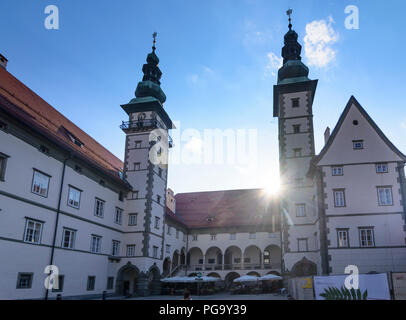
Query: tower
x,y
293,101
145,168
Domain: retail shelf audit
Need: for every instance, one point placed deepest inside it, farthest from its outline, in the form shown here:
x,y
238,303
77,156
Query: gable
x,y
356,124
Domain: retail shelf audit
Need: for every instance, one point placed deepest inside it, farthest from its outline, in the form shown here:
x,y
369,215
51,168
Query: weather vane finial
x,y
154,36
289,13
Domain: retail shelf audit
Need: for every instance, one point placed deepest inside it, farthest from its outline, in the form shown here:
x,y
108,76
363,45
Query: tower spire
x,y
154,42
289,13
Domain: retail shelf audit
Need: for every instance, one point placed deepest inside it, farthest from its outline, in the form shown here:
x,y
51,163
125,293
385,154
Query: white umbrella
x,y
189,279
246,278
270,277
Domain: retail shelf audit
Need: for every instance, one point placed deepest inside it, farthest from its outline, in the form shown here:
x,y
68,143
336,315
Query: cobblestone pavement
x,y
220,296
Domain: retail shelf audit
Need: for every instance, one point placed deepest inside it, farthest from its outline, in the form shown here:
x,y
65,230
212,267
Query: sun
x,y
272,187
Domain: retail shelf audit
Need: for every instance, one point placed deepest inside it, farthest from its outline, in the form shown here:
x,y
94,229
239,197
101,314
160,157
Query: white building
x,y
114,226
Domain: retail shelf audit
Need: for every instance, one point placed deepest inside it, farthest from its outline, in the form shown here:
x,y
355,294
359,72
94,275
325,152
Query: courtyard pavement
x,y
219,296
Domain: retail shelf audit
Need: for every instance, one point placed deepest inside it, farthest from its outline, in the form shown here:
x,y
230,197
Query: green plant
x,y
333,293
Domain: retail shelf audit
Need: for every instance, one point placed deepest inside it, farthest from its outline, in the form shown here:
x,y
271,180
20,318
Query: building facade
x,y
114,226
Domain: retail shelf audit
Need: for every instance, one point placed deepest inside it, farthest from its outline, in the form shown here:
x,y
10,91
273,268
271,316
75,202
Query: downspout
x,y
57,220
187,251
402,183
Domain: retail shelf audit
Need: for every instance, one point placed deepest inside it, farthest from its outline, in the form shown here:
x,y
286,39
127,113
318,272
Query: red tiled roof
x,y
36,112
230,208
171,215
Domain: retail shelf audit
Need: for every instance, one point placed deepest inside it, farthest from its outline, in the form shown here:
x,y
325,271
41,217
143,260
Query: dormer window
x,y
3,126
44,149
210,219
74,139
358,144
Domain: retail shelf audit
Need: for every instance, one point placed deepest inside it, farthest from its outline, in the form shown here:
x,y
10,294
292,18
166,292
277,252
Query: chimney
x,y
326,135
3,61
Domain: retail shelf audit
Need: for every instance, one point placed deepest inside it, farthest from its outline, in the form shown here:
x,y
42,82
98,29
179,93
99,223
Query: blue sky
x,y
219,59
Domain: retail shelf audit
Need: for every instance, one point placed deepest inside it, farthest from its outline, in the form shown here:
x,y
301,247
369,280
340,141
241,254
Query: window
x,y
68,238
267,257
95,244
200,261
233,236
121,196
131,250
158,198
44,149
99,208
155,251
194,237
247,260
169,230
295,103
3,162
138,144
110,283
337,171
385,196
237,260
132,219
296,128
78,169
339,197
168,248
58,284
102,182
358,144
252,235
137,166
177,234
213,236
118,216
134,195
381,168
24,280
342,238
366,237
302,245
211,261
40,183
157,223
301,210
115,248
91,280
297,152
33,231
74,197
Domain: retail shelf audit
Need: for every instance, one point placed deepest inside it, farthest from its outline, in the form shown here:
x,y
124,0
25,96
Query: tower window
x,y
296,128
300,210
137,166
339,197
337,171
381,168
295,103
138,144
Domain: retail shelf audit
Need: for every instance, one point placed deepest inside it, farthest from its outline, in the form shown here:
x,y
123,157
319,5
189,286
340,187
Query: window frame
x,y
99,243
335,199
213,236
298,244
19,275
41,223
155,252
233,236
130,215
3,166
298,205
70,187
337,167
194,237
110,280
252,235
346,231
295,102
138,144
118,213
72,242
379,199
129,248
296,128
137,166
93,282
157,223
96,207
354,142
360,229
115,248
33,179
297,152
377,165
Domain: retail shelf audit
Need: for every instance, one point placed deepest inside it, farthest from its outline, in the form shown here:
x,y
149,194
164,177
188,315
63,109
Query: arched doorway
x,y
304,268
127,277
252,257
276,273
183,257
253,273
214,259
272,257
175,259
214,274
230,277
154,280
195,259
232,258
166,266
